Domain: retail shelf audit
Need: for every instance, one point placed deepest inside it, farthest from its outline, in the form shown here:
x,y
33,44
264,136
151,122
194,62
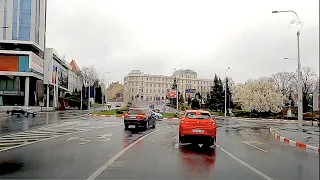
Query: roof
x,y
74,66
199,110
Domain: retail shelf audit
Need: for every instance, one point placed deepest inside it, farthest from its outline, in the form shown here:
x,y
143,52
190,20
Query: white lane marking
x,y
88,139
247,143
114,158
245,164
52,137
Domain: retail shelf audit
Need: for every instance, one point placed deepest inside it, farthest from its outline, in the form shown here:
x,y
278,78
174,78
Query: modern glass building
x,y
22,45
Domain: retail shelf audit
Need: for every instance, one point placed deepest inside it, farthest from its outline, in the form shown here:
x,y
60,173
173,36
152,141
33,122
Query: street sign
x,y
86,140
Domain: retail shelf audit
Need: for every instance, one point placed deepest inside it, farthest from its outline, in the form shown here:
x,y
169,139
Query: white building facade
x,y
22,44
74,81
56,76
152,88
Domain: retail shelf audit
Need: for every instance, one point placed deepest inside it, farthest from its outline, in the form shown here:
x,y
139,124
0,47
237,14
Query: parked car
x,y
197,127
140,117
26,111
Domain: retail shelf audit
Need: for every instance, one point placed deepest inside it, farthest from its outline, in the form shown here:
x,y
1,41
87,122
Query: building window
x,y
154,91
3,85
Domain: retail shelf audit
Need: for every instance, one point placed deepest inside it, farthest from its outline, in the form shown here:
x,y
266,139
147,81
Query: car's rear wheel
x,y
33,115
181,139
146,126
211,143
153,125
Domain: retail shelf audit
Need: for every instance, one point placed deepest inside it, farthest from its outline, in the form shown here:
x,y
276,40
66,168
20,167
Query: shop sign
x,y
171,93
12,93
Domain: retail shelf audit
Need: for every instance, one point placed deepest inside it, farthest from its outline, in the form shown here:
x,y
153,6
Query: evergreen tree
x,y
195,104
216,97
229,96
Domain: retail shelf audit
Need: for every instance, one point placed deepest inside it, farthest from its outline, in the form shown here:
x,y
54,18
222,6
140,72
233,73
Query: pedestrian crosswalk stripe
x,y
15,140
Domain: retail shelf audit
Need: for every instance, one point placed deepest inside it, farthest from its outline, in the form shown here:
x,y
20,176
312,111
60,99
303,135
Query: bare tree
x,y
284,81
309,80
89,75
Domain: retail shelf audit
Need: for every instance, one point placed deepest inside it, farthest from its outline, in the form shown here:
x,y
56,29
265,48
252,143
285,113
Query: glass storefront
x,y
11,91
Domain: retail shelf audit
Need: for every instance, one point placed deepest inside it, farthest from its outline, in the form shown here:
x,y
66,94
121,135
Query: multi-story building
x,y
115,92
56,76
74,80
22,44
146,87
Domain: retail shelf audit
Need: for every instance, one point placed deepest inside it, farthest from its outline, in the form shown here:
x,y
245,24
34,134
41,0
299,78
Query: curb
x,y
294,143
284,120
120,116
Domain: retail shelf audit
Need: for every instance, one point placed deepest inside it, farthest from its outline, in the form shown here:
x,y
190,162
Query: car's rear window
x,y
136,111
194,115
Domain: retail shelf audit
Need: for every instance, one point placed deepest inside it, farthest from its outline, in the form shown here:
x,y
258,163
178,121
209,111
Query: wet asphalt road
x,y
13,124
85,147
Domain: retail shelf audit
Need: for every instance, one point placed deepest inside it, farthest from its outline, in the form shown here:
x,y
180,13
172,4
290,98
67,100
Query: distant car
x,y
158,115
118,105
26,111
140,117
197,127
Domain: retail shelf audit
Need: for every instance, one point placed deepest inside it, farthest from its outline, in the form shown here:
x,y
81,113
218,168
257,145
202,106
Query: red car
x,y
197,127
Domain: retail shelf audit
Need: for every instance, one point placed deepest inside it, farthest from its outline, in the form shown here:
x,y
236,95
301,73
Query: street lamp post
x,y
104,96
225,100
177,94
300,110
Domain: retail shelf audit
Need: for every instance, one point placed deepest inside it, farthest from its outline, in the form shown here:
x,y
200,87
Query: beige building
x,y
115,92
146,87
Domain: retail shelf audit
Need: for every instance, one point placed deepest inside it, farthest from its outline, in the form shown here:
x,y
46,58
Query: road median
x,y
292,139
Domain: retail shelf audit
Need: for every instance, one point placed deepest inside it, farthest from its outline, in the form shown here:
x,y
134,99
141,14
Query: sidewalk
x,y
290,134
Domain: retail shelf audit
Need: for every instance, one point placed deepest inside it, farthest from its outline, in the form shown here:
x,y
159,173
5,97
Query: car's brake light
x,y
141,116
126,115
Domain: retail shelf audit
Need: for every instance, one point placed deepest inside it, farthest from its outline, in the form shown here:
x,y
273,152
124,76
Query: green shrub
x,y
119,111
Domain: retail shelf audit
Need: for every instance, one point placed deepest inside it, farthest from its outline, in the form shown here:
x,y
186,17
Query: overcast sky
x,y
157,36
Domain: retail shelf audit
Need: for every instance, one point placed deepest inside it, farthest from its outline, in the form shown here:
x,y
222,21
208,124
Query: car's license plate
x,y
197,131
132,126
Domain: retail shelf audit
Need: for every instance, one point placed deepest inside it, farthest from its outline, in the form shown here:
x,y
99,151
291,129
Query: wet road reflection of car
x,y
26,111
197,159
140,117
